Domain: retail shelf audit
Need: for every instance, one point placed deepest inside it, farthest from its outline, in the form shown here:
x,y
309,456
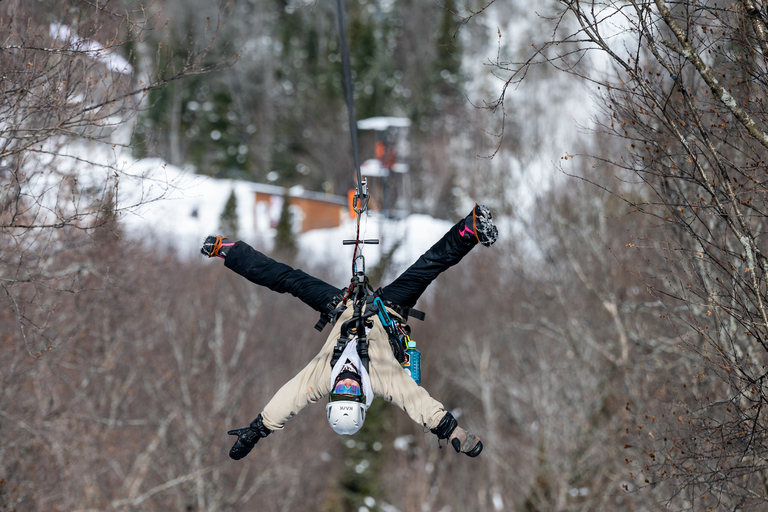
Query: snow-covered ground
x,y
191,206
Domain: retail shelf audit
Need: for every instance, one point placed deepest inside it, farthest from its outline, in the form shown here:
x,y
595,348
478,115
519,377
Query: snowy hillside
x,y
192,205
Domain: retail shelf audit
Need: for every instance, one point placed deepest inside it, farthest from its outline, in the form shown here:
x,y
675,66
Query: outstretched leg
x,y
279,277
476,228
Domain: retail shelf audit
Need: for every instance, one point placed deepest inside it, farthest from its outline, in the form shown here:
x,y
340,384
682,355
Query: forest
x,y
610,349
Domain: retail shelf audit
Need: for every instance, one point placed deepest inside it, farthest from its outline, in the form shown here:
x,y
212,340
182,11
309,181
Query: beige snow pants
x,y
388,380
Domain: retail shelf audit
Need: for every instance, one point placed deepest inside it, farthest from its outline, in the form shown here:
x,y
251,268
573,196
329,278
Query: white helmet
x,y
345,416
347,404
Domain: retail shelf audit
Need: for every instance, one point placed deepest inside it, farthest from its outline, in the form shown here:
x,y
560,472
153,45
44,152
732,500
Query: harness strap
x,y
362,339
334,310
403,311
415,313
375,306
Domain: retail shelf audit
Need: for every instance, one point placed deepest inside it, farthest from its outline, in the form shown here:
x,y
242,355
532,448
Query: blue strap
x,y
386,321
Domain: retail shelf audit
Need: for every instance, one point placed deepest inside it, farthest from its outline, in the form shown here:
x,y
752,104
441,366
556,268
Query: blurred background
x,y
609,349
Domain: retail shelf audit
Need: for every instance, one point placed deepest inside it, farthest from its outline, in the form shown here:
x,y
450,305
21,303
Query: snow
x,y
383,123
548,114
190,206
177,208
403,443
92,49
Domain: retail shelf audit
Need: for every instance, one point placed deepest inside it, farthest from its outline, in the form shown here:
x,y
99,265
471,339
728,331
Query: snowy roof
x,y
298,191
382,123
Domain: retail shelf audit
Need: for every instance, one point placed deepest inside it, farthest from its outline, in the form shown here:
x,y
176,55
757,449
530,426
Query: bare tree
x,y
684,88
72,85
132,412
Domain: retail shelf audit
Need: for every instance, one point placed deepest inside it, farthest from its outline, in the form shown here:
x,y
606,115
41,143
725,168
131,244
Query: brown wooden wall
x,y
317,214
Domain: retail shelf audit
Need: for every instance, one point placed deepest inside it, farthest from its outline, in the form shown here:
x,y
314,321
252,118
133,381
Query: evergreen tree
x,y
107,228
280,114
229,223
194,121
285,238
447,64
365,454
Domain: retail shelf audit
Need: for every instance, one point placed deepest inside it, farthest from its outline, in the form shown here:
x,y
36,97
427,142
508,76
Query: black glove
x,y
247,438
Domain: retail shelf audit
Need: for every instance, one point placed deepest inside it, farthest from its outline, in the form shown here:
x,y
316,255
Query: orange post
x,y
350,202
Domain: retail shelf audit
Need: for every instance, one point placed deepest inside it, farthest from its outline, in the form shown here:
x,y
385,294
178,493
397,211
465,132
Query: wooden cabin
x,y
311,210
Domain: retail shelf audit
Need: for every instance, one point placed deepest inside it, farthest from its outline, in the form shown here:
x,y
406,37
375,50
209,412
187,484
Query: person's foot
x,y
465,442
479,226
216,246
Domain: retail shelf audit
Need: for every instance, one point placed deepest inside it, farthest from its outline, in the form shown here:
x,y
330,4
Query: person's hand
x,y
246,440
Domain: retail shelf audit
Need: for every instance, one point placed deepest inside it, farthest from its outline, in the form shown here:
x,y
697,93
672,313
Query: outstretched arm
x,y
393,384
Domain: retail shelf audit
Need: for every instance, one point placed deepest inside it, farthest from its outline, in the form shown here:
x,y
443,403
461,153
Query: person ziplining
x,y
360,358
363,355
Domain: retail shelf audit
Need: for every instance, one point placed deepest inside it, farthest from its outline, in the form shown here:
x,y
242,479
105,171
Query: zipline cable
x,y
360,201
362,195
358,287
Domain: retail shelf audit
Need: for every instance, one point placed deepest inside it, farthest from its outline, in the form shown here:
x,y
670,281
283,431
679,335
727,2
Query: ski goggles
x,y
347,387
347,392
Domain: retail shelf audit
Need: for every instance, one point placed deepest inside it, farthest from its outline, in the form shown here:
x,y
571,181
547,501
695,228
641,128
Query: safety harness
x,y
359,291
397,330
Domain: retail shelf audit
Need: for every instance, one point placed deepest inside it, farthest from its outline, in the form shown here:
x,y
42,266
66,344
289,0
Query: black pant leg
x,y
279,277
447,252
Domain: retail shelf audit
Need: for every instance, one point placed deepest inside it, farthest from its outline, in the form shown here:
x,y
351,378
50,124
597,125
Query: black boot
x,y
216,246
479,227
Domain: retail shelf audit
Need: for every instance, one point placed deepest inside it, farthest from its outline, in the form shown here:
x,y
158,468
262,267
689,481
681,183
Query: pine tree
x,y
107,229
285,238
229,224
